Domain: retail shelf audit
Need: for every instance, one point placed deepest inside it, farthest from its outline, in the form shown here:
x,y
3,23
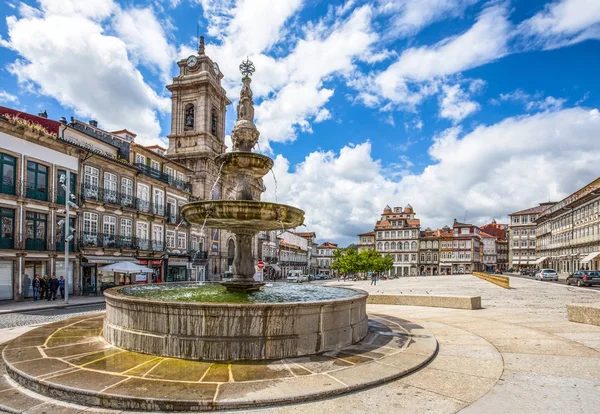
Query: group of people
x,y
47,288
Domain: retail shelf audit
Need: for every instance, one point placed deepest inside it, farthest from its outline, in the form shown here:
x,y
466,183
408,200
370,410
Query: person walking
x,y
48,291
54,284
43,286
36,287
374,279
61,286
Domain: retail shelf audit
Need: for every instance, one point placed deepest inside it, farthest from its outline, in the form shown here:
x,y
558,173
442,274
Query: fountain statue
x,y
244,216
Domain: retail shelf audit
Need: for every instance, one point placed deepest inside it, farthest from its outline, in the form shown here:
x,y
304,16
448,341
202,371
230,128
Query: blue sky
x,y
458,107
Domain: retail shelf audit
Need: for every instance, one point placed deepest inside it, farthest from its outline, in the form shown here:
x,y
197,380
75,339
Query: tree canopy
x,y
350,261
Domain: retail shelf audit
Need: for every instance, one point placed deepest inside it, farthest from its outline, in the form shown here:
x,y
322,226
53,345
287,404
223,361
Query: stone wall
x,y
454,302
224,331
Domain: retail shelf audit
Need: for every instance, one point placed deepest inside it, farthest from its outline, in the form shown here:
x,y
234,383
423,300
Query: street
x,y
41,316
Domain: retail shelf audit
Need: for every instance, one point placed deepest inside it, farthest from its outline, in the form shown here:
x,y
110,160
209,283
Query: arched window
x,y
429,245
422,245
379,246
435,244
230,252
429,257
422,257
413,245
406,246
387,246
435,258
393,245
189,114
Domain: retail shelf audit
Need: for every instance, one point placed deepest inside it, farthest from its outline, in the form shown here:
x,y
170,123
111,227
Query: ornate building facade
x,y
522,236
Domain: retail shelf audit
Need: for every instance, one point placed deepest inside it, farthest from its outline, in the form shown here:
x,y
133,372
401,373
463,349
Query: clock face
x,y
192,61
216,68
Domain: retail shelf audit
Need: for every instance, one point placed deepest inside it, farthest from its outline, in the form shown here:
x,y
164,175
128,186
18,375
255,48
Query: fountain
x,y
209,346
237,321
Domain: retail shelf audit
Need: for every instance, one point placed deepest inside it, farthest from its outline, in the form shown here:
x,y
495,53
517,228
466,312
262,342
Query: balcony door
x,y
90,182
109,231
142,235
143,197
36,228
7,232
37,181
60,192
126,192
8,167
110,187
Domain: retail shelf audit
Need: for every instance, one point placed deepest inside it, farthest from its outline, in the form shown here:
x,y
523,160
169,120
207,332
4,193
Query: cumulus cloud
x,y
531,102
97,78
455,104
6,97
489,172
562,23
410,16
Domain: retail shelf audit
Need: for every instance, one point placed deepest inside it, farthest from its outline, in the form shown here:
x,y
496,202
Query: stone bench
x,y
454,302
501,281
584,313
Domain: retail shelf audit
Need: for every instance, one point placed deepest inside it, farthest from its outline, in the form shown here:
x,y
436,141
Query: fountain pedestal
x,y
243,264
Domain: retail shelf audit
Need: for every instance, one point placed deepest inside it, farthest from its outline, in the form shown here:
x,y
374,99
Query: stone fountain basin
x,y
233,331
243,215
257,165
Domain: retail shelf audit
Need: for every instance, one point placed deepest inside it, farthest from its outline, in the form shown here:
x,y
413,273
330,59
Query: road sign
x,y
260,265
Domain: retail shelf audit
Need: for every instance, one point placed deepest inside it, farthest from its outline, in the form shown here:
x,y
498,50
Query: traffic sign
x,y
260,265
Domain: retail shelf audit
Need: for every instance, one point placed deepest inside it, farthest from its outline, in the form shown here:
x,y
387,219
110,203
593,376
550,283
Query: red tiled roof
x,y
496,230
50,125
307,234
534,210
371,233
328,245
485,235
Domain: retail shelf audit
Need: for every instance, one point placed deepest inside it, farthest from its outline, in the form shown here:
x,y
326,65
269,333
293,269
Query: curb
x,y
48,307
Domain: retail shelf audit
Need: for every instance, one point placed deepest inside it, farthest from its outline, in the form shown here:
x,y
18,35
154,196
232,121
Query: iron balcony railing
x,y
199,257
180,184
112,241
117,198
60,245
153,173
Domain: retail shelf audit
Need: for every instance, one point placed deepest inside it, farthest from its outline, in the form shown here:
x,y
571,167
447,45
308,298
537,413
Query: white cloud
x,y
145,39
6,97
410,16
323,115
562,23
455,104
489,172
535,102
97,78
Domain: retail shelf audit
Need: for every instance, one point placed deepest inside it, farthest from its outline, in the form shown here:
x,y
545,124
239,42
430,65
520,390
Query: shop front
x,y
31,268
177,269
156,276
93,279
6,279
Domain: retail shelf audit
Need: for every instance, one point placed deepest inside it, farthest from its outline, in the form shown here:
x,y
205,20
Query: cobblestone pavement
x,y
46,315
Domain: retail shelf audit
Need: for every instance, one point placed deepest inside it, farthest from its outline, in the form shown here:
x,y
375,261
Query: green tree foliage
x,y
350,261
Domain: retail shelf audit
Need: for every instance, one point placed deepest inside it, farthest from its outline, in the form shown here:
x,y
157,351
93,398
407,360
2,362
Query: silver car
x,y
547,274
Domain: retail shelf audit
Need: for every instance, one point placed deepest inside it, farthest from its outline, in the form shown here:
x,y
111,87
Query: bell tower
x,y
198,107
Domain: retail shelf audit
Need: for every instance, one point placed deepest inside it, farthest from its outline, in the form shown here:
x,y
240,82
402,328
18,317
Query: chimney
x,y
43,114
93,123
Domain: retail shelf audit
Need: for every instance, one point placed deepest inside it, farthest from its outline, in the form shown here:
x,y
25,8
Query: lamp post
x,y
65,182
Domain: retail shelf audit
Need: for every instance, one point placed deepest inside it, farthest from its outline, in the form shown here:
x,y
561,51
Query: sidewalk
x,y
30,305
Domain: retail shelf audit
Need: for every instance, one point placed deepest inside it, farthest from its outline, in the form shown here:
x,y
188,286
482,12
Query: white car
x,y
296,277
547,274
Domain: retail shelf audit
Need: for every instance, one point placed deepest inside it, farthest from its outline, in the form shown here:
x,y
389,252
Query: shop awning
x,y
590,257
540,260
108,259
275,267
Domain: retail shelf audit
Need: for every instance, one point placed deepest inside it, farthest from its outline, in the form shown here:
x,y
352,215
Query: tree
x,y
346,260
372,261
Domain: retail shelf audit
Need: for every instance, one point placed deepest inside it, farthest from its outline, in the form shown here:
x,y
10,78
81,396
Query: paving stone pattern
x,y
37,317
70,360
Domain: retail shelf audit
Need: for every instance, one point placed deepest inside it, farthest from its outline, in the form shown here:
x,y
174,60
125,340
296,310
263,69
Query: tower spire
x,y
201,46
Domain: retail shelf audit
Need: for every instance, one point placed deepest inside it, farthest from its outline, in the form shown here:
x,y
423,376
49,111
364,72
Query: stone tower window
x,y
213,122
189,118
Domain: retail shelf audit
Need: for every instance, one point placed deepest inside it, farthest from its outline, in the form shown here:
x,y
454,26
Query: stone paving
x,y
519,354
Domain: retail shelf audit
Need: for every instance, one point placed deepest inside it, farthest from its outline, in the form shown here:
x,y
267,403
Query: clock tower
x,y
198,107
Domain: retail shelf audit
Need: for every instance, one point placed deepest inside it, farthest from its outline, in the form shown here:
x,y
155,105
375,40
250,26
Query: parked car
x,y
584,278
296,276
535,273
525,272
321,276
547,274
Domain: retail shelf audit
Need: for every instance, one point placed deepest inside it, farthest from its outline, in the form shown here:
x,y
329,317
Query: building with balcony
x,y
32,203
522,236
293,252
429,252
325,258
568,232
397,234
495,253
268,246
366,241
466,248
311,238
446,250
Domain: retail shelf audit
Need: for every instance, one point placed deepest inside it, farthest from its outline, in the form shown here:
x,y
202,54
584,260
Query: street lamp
x,y
65,182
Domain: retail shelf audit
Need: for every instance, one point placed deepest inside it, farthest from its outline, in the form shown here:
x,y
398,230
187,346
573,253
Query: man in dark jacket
x,y
43,286
61,284
36,287
54,285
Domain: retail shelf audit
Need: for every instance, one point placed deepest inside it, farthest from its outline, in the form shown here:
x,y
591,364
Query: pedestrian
x,y
43,286
61,285
374,278
48,291
54,284
36,287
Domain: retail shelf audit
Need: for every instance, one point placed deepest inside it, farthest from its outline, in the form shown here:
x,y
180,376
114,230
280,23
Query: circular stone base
x,y
70,361
243,286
